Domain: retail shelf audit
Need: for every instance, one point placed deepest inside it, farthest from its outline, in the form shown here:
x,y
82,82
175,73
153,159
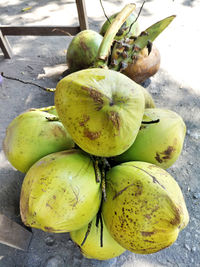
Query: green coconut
x,y
123,31
159,143
145,209
92,247
60,193
82,50
101,109
30,136
149,102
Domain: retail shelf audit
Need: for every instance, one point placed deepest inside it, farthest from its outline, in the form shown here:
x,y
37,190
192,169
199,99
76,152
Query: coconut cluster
x,y
95,165
132,203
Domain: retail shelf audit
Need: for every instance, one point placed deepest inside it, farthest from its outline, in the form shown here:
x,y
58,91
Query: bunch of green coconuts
x,y
95,163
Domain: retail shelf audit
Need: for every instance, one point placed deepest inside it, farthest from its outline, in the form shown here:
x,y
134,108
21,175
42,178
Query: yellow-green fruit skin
x,y
30,136
158,143
149,102
145,209
83,50
53,111
101,109
60,193
92,247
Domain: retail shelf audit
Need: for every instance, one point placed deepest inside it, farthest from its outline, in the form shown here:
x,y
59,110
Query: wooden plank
x,y
39,30
13,234
82,14
5,46
42,30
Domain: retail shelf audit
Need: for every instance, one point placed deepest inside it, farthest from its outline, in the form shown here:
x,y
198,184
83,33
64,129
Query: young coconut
x,y
145,209
60,193
160,139
31,136
83,49
101,109
91,247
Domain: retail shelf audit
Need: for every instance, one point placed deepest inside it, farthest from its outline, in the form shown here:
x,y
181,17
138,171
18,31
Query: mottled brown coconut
x,y
144,66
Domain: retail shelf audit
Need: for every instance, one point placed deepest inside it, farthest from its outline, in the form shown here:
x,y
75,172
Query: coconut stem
x,y
44,108
25,82
96,168
136,18
104,165
101,233
99,219
104,49
87,233
52,118
98,214
150,122
103,183
104,12
97,171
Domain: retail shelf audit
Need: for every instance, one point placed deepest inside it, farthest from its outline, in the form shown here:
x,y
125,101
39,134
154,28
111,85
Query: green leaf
x,y
150,34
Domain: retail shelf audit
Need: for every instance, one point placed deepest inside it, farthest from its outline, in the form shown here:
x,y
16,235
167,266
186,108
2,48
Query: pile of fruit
x,y
95,163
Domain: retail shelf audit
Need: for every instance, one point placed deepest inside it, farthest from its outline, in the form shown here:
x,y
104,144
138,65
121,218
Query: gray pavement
x,y
175,86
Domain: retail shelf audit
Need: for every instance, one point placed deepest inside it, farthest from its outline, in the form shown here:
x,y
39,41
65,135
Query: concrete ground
x,y
175,86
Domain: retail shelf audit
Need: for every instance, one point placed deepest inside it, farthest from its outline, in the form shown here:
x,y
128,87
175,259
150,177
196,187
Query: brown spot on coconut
x,y
165,155
29,137
113,103
84,120
158,158
155,216
95,95
158,143
69,190
147,233
82,50
91,135
168,152
115,119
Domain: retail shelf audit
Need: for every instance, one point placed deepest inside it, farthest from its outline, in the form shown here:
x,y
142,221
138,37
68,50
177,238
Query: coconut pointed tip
x,y
172,17
132,4
169,19
130,7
